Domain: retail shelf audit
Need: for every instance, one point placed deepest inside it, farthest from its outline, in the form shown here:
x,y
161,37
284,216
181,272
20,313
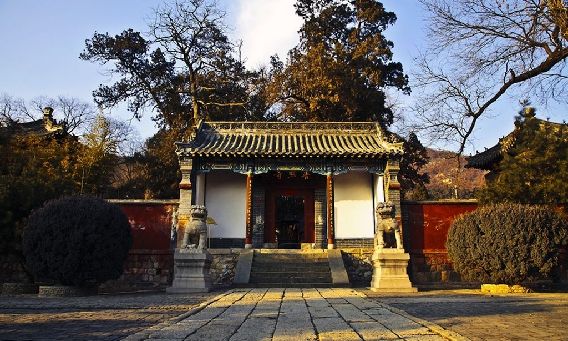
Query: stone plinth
x,y
191,271
389,271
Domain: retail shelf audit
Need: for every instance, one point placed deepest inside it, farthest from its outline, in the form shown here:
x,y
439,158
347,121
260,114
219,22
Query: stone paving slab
x,y
295,314
477,316
102,317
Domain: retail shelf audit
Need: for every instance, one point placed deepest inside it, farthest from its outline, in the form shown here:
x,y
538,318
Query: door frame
x,y
298,186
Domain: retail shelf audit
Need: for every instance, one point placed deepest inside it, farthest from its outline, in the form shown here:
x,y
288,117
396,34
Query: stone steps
x,y
279,267
288,263
290,269
290,258
293,279
290,285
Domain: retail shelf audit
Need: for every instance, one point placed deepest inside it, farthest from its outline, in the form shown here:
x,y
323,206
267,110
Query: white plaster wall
x,y
379,190
378,194
225,193
353,196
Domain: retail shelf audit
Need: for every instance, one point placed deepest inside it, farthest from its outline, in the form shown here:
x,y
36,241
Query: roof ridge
x,y
292,126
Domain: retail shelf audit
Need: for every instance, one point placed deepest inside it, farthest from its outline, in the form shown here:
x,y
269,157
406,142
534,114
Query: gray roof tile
x,y
290,139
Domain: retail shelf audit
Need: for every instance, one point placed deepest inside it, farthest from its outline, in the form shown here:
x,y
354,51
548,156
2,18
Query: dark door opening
x,y
289,221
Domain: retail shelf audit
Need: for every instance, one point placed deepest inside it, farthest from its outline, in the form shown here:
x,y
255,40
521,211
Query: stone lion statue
x,y
386,225
195,235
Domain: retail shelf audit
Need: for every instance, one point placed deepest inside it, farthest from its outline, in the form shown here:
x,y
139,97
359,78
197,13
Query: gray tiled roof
x,y
290,139
36,128
489,157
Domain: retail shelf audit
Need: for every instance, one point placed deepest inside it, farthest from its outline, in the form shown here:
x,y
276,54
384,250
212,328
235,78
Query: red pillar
x,y
330,229
248,222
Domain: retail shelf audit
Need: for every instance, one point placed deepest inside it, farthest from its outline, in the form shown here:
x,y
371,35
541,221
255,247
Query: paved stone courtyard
x,y
292,314
103,317
287,314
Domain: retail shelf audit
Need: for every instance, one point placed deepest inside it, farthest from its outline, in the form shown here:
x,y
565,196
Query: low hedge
x,y
507,243
76,241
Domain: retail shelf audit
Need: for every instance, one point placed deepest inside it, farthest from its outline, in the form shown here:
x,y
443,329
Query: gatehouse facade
x,y
289,184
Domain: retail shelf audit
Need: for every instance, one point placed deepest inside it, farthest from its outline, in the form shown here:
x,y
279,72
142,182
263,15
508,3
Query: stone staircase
x,y
290,268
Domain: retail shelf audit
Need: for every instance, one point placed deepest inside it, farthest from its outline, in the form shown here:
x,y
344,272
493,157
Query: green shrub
x,y
507,243
76,241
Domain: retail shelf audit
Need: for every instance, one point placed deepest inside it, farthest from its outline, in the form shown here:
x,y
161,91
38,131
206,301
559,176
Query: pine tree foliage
x,y
412,179
33,169
535,170
340,69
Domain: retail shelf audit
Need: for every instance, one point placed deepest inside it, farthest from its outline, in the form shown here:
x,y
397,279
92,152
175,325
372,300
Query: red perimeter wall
x,y
426,225
150,261
151,223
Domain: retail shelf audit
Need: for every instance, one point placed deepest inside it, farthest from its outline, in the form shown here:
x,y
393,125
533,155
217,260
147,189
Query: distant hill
x,y
444,176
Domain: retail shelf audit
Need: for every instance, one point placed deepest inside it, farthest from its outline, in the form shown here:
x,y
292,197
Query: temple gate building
x,y
289,184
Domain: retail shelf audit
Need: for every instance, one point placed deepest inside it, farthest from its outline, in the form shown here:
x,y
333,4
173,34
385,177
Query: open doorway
x,y
290,224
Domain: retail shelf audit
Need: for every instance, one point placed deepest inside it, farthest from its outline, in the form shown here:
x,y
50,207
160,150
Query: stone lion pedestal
x,y
389,271
191,271
192,261
389,259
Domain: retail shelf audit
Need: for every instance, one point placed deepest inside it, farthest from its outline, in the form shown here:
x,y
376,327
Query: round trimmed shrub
x,y
507,243
78,240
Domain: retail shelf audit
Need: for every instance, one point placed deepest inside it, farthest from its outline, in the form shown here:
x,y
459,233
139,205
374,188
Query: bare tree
x,y
194,35
185,68
481,50
12,110
103,142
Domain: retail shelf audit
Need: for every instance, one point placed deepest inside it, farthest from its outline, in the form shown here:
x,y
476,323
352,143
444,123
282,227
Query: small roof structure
x,y
489,157
44,127
291,140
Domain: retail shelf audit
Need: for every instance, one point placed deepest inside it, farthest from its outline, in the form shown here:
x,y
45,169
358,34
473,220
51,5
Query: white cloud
x,y
267,27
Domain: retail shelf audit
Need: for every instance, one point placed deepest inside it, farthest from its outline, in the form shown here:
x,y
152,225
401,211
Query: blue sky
x,y
41,42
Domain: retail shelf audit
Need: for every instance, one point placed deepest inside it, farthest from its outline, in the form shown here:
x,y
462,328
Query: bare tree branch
x,y
481,50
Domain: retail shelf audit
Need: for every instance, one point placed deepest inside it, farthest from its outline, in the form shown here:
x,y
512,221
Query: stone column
x,y
248,212
330,227
392,188
192,261
390,264
185,193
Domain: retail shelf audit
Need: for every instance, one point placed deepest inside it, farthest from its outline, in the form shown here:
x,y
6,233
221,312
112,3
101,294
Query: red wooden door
x,y
270,221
